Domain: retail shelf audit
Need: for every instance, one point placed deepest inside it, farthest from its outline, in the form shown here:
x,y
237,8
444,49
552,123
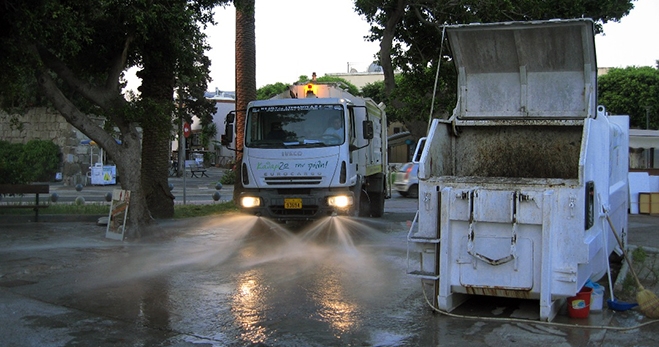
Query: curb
x,y
49,218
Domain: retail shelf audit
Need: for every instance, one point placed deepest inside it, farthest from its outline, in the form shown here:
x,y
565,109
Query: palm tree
x,y
245,76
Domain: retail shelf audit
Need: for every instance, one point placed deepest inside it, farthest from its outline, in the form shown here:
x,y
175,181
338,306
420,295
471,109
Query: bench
x,y
21,189
195,169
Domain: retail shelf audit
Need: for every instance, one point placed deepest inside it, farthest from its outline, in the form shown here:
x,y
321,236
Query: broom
x,y
647,300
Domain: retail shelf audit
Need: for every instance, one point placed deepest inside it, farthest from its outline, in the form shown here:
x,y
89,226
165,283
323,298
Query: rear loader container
x,y
514,188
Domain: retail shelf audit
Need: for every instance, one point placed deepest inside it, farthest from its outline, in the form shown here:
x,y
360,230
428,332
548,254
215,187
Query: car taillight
x,y
407,172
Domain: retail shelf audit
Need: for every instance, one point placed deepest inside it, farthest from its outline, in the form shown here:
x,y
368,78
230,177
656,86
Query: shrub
x,y
10,169
229,176
41,158
35,161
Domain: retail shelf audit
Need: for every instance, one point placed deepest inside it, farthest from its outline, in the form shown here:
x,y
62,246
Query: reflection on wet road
x,y
237,280
246,280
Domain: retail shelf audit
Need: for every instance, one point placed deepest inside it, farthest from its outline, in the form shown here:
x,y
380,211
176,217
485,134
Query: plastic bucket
x,y
579,306
597,298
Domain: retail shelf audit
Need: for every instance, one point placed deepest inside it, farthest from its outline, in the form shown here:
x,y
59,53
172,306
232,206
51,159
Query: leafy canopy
x,y
410,36
632,91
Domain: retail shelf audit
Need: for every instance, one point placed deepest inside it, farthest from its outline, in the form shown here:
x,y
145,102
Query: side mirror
x,y
231,116
367,125
227,138
419,150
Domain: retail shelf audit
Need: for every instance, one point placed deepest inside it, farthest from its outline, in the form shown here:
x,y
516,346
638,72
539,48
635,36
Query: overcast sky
x,y
633,41
293,38
298,37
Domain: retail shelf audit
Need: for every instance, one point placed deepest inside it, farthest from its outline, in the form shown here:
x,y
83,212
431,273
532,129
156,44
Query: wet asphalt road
x,y
242,281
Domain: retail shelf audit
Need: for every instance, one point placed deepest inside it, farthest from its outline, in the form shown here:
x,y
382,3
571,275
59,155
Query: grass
x,y
180,211
188,211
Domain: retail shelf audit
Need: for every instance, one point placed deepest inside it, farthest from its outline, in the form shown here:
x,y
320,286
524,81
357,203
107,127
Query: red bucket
x,y
579,306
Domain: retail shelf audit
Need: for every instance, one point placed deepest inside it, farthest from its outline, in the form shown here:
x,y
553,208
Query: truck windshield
x,y
295,126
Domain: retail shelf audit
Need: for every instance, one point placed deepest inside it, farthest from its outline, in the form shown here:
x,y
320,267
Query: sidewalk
x,y
195,189
643,231
186,190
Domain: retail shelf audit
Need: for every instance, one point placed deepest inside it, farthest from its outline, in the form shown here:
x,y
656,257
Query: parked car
x,y
406,181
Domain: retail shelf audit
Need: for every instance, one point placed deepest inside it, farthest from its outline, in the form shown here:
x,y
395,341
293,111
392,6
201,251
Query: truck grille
x,y
308,211
274,181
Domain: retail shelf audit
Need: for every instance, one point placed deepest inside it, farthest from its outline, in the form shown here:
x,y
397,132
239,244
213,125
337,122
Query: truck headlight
x,y
339,201
250,201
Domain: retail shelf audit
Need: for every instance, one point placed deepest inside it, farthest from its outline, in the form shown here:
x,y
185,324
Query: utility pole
x,y
650,151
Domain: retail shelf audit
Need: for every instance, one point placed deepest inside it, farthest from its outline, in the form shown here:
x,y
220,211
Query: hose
x,y
520,320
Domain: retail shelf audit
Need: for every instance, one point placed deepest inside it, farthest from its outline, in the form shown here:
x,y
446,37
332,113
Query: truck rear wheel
x,y
364,205
377,204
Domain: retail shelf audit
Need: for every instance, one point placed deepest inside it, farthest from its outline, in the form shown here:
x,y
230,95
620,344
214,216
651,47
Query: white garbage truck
x,y
516,186
314,151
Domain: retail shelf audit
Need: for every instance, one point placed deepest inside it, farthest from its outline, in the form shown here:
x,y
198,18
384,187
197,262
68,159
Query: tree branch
x,y
118,66
386,45
103,97
71,113
86,89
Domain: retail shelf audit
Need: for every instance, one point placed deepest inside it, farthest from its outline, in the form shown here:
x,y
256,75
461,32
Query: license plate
x,y
292,203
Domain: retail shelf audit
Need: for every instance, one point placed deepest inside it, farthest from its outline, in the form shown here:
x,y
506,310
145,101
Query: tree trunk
x,y
156,91
130,178
125,154
155,174
245,77
386,44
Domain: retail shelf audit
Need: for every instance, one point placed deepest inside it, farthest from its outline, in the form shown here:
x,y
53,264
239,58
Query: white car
x,y
406,181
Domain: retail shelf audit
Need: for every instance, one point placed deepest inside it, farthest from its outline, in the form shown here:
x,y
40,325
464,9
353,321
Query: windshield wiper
x,y
307,145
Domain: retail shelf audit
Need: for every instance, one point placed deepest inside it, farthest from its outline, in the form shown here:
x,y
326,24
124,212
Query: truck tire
x,y
377,204
364,205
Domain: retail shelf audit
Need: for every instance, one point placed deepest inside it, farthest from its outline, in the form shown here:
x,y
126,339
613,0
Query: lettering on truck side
x,y
291,153
281,166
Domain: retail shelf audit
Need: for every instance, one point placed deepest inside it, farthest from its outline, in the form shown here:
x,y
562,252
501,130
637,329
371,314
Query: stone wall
x,y
47,124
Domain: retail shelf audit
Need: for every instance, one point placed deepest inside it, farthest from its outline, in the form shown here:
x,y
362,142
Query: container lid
x,y
525,70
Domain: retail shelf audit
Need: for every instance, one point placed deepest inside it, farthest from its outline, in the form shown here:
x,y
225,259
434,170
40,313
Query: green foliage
x,y
412,98
632,91
639,255
270,90
35,161
375,91
352,89
10,170
42,159
415,93
229,177
411,35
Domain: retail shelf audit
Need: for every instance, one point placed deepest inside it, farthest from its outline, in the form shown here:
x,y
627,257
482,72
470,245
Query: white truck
x,y
515,188
314,151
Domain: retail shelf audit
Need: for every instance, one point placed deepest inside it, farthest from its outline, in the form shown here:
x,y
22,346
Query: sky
x,y
299,37
632,41
293,38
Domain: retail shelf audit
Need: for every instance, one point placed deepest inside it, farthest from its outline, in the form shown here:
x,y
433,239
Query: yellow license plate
x,y
292,203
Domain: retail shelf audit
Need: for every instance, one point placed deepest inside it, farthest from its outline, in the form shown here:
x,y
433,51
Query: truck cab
x,y
313,156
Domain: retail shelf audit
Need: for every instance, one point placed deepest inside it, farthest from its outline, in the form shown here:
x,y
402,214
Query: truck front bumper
x,y
297,205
